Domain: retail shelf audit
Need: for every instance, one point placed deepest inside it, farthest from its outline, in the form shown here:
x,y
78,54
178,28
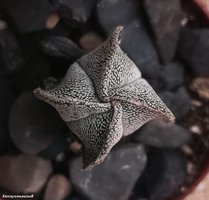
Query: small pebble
x,y
187,150
24,173
52,20
60,157
114,178
90,41
33,124
196,129
75,147
165,19
58,188
3,25
191,169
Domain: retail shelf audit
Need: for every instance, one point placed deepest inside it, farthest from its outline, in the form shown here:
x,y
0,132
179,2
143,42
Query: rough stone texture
x,y
160,134
61,47
178,101
112,13
11,59
136,43
24,173
164,174
103,98
33,124
115,178
193,48
58,188
165,20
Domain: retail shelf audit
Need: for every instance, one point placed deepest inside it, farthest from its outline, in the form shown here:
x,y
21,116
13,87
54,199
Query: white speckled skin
x,y
102,98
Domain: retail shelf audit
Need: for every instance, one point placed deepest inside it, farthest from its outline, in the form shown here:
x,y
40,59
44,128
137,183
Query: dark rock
x,y
171,76
160,134
164,174
112,13
33,125
10,54
75,12
136,43
113,179
6,99
178,101
193,47
30,15
61,47
24,173
58,188
165,20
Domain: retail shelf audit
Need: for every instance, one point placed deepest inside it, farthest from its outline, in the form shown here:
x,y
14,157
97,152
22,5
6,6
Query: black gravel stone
x,y
193,48
33,124
6,99
164,174
11,59
28,15
136,43
165,20
160,134
61,47
113,179
74,12
24,173
112,13
171,76
178,101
